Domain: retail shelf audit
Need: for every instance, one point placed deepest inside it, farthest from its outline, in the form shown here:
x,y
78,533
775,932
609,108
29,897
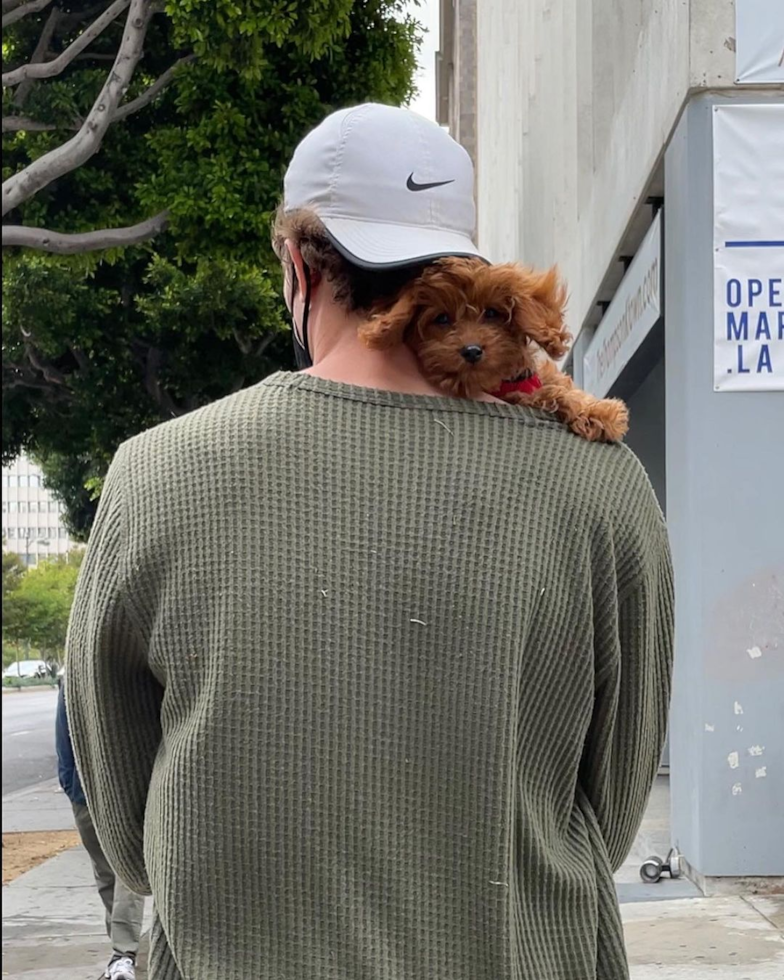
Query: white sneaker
x,y
121,969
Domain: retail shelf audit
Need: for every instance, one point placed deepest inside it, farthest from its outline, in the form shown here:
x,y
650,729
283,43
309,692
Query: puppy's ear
x,y
387,329
540,301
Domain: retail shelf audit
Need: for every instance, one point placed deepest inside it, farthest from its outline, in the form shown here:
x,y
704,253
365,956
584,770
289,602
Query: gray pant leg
x,y
124,909
102,871
127,918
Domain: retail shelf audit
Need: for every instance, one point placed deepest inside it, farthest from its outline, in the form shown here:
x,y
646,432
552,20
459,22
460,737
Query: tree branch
x,y
17,124
48,69
20,381
86,143
90,241
82,360
23,124
23,10
51,374
39,54
152,382
94,56
245,345
152,92
264,344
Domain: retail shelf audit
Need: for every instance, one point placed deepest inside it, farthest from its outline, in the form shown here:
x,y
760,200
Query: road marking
x,y
29,731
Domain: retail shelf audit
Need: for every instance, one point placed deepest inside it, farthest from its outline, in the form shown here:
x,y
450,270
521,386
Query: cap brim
x,y
386,246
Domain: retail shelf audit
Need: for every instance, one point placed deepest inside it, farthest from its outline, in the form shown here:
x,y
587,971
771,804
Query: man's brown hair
x,y
357,289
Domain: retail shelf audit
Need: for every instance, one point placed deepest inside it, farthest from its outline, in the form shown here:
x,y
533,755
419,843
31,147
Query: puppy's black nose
x,y
472,353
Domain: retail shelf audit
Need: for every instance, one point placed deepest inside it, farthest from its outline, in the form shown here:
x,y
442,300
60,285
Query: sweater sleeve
x,y
112,698
633,641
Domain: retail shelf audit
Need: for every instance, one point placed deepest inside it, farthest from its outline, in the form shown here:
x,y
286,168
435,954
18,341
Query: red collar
x,y
524,384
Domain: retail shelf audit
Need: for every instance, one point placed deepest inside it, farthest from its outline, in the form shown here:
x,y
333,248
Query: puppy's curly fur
x,y
474,326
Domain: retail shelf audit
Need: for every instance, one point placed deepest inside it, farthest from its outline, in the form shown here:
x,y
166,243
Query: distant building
x,y
32,518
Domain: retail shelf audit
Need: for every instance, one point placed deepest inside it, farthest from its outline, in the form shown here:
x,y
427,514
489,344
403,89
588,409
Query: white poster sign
x,y
635,308
748,247
759,41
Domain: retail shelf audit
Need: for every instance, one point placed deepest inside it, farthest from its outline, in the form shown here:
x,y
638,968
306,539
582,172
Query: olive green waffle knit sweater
x,y
372,686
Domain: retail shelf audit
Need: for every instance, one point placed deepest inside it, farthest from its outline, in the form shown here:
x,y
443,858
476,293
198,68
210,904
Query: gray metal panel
x,y
725,471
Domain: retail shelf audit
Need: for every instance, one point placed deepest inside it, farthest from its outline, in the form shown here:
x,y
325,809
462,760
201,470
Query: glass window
x,y
5,479
41,506
52,506
11,532
24,481
22,506
53,532
13,506
35,480
5,506
63,532
13,480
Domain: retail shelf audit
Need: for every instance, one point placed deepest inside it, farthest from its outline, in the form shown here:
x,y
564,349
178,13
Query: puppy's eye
x,y
492,314
443,320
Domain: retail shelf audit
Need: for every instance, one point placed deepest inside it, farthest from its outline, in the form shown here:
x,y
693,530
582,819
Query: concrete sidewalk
x,y
730,938
41,807
53,918
53,923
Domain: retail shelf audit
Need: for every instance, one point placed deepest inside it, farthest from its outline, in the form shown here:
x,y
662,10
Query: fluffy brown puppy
x,y
471,325
474,326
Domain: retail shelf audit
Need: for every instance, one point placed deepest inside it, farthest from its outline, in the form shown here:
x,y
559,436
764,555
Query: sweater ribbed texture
x,y
372,686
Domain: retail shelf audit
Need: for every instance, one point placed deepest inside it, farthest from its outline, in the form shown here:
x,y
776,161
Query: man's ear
x,y
298,265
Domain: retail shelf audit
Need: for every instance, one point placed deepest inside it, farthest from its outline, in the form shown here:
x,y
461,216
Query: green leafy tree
x,y
13,570
36,611
138,281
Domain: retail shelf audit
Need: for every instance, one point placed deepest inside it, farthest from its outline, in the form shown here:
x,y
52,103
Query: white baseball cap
x,y
391,187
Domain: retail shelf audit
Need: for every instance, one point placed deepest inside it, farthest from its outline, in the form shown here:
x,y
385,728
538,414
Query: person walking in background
x,y
124,909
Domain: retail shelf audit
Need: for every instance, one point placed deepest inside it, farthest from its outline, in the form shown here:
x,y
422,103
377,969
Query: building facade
x,y
32,518
640,146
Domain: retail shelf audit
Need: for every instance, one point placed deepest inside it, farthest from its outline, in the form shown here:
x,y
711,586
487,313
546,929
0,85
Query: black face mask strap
x,y
306,312
301,346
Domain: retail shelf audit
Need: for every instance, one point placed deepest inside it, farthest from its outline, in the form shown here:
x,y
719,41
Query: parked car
x,y
26,668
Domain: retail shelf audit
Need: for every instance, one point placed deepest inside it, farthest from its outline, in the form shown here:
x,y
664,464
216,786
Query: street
x,y
29,754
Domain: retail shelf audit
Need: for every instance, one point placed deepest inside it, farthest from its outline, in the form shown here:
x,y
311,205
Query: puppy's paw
x,y
608,421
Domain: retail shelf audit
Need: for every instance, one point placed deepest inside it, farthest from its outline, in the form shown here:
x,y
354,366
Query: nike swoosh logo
x,y
412,185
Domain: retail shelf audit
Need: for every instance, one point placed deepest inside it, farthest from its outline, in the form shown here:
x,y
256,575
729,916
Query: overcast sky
x,y
425,101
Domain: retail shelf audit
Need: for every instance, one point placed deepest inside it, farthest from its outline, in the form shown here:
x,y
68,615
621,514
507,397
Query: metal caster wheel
x,y
673,863
651,870
653,867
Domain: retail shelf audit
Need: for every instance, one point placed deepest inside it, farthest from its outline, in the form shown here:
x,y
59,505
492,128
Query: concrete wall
x,y
725,471
456,72
576,100
462,117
